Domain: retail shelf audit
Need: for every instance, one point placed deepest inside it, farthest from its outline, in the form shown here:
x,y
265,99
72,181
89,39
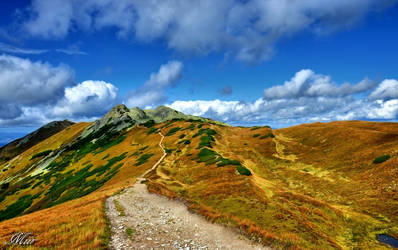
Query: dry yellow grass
x,y
81,223
312,186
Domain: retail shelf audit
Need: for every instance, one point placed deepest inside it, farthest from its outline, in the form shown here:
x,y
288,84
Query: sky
x,y
243,62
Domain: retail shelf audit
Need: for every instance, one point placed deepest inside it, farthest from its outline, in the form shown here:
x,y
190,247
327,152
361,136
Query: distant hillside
x,y
314,186
18,146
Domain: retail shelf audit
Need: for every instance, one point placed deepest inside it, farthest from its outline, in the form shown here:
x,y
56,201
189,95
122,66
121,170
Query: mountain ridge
x,y
304,187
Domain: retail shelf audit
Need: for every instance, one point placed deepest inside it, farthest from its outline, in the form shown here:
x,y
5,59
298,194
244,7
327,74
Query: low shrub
x,y
256,135
225,162
152,130
381,159
269,135
243,171
143,159
43,153
149,123
173,131
130,232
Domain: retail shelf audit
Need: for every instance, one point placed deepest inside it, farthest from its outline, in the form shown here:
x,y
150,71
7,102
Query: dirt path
x,y
155,222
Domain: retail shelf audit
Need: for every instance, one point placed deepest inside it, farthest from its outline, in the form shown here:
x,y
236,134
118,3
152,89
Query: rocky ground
x,y
156,222
150,221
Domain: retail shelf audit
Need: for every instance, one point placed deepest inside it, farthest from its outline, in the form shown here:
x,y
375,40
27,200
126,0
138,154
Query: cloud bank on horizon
x,y
38,92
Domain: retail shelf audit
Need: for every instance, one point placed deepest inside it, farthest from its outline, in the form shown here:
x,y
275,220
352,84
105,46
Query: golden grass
x,y
313,186
81,223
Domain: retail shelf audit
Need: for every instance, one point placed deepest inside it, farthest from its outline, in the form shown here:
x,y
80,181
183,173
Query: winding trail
x,y
155,222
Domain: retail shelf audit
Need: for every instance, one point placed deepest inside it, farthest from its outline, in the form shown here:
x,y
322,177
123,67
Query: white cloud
x,y
388,89
25,82
151,93
7,48
246,30
307,97
89,98
307,83
33,93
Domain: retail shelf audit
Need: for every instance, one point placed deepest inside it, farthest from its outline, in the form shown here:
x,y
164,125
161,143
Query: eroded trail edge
x,y
150,221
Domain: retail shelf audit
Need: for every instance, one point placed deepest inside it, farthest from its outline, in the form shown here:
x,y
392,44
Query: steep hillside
x,y
18,146
317,186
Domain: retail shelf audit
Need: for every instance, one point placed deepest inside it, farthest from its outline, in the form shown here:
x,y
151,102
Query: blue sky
x,y
243,62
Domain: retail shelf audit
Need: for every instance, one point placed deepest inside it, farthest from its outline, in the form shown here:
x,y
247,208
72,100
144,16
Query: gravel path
x,y
155,222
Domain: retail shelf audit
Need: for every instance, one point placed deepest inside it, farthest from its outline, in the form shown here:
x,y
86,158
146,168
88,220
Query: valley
x,y
312,186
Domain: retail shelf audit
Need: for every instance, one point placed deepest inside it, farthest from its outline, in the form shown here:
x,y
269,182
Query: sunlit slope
x,y
313,186
292,198
80,223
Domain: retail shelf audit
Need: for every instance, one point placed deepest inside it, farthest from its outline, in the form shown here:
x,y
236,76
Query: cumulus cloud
x,y
26,82
33,93
388,89
306,97
307,83
87,99
246,30
151,93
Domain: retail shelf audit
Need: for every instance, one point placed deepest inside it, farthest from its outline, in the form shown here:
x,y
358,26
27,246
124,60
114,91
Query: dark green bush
x,y
143,148
43,153
225,162
173,131
254,128
381,159
143,159
256,135
208,156
149,124
243,171
16,208
152,130
269,135
181,136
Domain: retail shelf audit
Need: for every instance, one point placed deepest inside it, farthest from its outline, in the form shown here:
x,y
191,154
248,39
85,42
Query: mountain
x,y
313,186
20,145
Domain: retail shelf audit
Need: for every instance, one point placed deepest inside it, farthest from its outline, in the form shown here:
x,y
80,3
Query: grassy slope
x,y
70,224
312,186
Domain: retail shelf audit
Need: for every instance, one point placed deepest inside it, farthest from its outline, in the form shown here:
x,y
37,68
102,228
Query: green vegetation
x,y
190,127
106,156
110,144
173,131
152,130
207,138
255,128
119,208
143,148
143,159
208,131
205,141
149,124
17,207
181,136
130,232
256,135
269,135
243,171
381,159
97,141
225,162
186,142
208,156
43,153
